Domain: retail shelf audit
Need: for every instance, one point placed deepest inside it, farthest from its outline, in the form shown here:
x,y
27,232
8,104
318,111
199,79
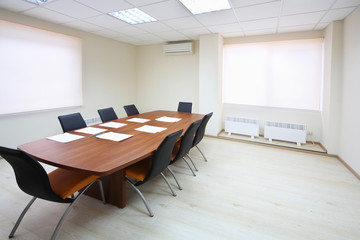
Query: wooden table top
x,y
103,157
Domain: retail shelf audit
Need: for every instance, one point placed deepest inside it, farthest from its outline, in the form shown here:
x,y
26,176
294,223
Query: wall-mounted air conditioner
x,y
178,48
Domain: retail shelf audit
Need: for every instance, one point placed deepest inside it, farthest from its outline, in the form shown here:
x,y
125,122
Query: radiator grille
x,y
301,127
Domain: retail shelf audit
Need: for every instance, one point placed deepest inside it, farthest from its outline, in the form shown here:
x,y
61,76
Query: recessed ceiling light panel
x,y
133,16
204,6
38,2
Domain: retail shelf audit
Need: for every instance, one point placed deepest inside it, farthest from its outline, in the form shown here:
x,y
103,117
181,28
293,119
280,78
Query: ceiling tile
x,y
72,9
346,3
154,27
260,32
301,19
321,26
129,30
260,24
266,10
166,10
106,21
149,37
139,3
172,36
291,7
108,33
337,14
225,28
194,33
16,5
245,3
216,18
301,28
183,23
48,15
106,6
84,26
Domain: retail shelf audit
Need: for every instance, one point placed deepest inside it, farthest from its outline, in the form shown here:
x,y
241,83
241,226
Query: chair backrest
x,y
185,107
131,110
71,122
31,177
201,130
187,140
162,156
107,114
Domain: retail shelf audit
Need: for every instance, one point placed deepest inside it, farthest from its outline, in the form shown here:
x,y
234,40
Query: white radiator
x,y
244,126
290,132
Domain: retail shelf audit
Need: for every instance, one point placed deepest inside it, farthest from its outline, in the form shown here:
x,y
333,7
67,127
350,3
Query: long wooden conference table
x,y
108,158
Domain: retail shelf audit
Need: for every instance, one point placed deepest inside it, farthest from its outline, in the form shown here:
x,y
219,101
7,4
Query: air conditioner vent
x,y
178,48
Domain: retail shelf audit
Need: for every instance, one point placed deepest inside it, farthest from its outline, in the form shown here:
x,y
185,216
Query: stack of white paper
x,y
168,119
114,136
65,137
91,130
113,124
150,129
138,120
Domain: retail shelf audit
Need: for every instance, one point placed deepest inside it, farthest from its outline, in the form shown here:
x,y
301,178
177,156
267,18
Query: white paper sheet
x,y
114,136
138,120
150,129
113,124
168,119
65,137
91,130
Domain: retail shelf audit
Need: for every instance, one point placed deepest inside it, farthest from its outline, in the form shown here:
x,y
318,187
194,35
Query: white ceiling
x,y
176,23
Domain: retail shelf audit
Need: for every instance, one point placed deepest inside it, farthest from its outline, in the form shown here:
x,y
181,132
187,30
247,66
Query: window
x,y
286,74
38,69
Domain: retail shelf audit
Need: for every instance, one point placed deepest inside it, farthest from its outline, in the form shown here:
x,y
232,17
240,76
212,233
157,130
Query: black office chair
x,y
200,133
184,107
107,114
57,186
181,149
149,168
131,110
71,122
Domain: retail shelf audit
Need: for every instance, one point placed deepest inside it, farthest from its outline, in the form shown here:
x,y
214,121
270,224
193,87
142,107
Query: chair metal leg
x,y
192,162
21,217
71,205
172,173
141,196
189,166
172,190
201,153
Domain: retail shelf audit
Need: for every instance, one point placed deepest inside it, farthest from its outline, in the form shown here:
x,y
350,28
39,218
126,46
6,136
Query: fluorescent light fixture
x,y
133,16
204,6
38,2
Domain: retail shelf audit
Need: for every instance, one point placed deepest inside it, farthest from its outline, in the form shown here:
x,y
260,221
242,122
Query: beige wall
x,y
164,80
350,116
311,118
108,80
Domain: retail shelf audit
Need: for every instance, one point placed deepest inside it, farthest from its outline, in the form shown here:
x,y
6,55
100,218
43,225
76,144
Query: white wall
x,y
311,118
165,80
331,109
210,80
350,117
108,80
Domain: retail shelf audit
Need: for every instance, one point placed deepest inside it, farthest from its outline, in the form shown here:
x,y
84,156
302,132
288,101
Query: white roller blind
x,y
284,74
39,69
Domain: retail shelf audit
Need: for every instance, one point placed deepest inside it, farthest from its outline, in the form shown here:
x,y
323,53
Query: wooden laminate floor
x,y
244,191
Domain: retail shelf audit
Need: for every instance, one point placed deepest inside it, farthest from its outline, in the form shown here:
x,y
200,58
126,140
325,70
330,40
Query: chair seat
x,y
139,170
65,182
